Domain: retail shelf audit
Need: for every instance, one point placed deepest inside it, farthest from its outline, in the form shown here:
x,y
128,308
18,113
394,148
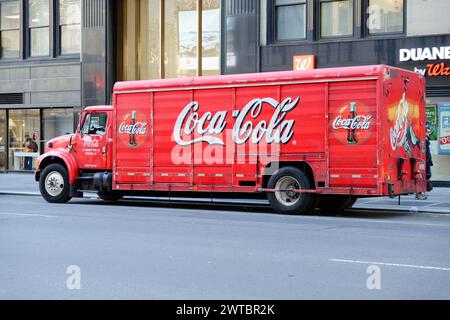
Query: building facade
x,y
151,39
40,76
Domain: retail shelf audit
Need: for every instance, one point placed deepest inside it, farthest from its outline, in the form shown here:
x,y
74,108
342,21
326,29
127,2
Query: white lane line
x,y
28,215
391,264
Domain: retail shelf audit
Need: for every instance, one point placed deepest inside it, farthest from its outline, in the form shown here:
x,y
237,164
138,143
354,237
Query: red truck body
x,y
301,137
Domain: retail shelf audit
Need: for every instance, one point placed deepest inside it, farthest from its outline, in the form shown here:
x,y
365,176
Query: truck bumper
x,y
37,175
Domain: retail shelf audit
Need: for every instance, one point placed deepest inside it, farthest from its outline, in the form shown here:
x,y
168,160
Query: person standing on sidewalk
x,y
429,162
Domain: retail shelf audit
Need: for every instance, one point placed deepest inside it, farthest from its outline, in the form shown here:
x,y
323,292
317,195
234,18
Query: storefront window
x,y
385,16
57,122
336,18
38,24
24,138
180,38
69,26
150,33
2,140
290,17
210,37
144,34
9,29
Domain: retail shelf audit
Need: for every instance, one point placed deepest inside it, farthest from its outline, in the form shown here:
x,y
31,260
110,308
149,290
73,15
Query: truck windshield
x,y
94,123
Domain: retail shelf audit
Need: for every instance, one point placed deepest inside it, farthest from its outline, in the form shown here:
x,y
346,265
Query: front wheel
x,y
285,201
54,184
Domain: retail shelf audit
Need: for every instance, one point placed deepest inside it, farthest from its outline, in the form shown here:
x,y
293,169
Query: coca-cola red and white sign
x,y
132,130
351,123
192,128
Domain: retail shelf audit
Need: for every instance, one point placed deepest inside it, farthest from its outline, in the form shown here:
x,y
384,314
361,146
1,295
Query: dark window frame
x,y
50,31
318,24
274,18
58,33
365,17
19,29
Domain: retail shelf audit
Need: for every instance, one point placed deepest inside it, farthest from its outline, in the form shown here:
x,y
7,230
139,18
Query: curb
x,y
356,207
20,193
402,209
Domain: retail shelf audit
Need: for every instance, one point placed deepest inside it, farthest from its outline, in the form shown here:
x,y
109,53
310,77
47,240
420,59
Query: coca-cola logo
x,y
137,128
133,129
357,123
352,123
192,128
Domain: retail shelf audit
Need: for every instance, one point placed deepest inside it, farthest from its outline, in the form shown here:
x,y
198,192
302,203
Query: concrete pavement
x,y
155,250
438,200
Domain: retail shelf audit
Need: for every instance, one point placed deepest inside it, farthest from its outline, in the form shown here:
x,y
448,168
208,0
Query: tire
x,y
54,184
335,203
288,202
109,196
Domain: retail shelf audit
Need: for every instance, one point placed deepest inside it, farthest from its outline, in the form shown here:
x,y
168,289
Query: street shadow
x,y
236,207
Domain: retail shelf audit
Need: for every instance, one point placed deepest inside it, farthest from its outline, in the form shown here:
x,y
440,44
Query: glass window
x,y
180,38
150,44
2,140
94,124
38,24
57,122
24,138
210,37
9,29
385,16
69,26
290,18
142,40
336,18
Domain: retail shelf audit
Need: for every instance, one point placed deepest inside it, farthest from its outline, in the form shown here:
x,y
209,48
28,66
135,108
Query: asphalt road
x,y
151,250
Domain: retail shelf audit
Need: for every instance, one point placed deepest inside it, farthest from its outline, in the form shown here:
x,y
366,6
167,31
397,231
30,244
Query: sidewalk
x,y
438,200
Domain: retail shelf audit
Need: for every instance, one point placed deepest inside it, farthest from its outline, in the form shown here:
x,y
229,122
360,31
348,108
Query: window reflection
x,y
69,26
3,140
141,44
336,18
9,29
385,16
57,122
38,23
24,138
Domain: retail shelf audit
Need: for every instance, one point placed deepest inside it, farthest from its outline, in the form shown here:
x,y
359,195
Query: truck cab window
x,y
94,124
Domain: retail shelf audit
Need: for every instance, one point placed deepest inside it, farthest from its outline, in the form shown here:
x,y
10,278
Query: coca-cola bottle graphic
x,y
351,131
133,142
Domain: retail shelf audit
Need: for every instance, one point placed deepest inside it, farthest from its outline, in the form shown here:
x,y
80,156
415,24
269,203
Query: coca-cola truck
x,y
306,139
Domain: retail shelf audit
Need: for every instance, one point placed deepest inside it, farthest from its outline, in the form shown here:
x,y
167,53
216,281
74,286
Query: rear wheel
x,y
284,200
54,184
109,195
335,203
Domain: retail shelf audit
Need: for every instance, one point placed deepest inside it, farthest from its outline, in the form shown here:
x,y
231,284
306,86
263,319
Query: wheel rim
x,y
54,183
287,198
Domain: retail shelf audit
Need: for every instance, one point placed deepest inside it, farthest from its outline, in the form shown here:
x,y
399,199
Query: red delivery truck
x,y
306,139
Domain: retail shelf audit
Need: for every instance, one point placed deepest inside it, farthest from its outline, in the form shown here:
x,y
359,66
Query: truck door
x,y
92,141
134,139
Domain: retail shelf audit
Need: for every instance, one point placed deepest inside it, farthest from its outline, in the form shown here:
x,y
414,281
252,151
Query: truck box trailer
x,y
307,139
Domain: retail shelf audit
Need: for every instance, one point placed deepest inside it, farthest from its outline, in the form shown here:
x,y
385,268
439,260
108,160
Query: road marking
x,y
28,215
391,264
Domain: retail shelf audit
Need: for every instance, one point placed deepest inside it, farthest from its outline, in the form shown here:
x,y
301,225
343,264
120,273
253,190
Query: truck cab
x,y
78,161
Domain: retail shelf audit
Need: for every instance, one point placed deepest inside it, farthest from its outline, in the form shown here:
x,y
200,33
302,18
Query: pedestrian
x,y
428,162
30,146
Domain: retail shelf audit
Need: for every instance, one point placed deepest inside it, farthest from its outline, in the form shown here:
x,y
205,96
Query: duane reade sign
x,y
433,68
421,54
